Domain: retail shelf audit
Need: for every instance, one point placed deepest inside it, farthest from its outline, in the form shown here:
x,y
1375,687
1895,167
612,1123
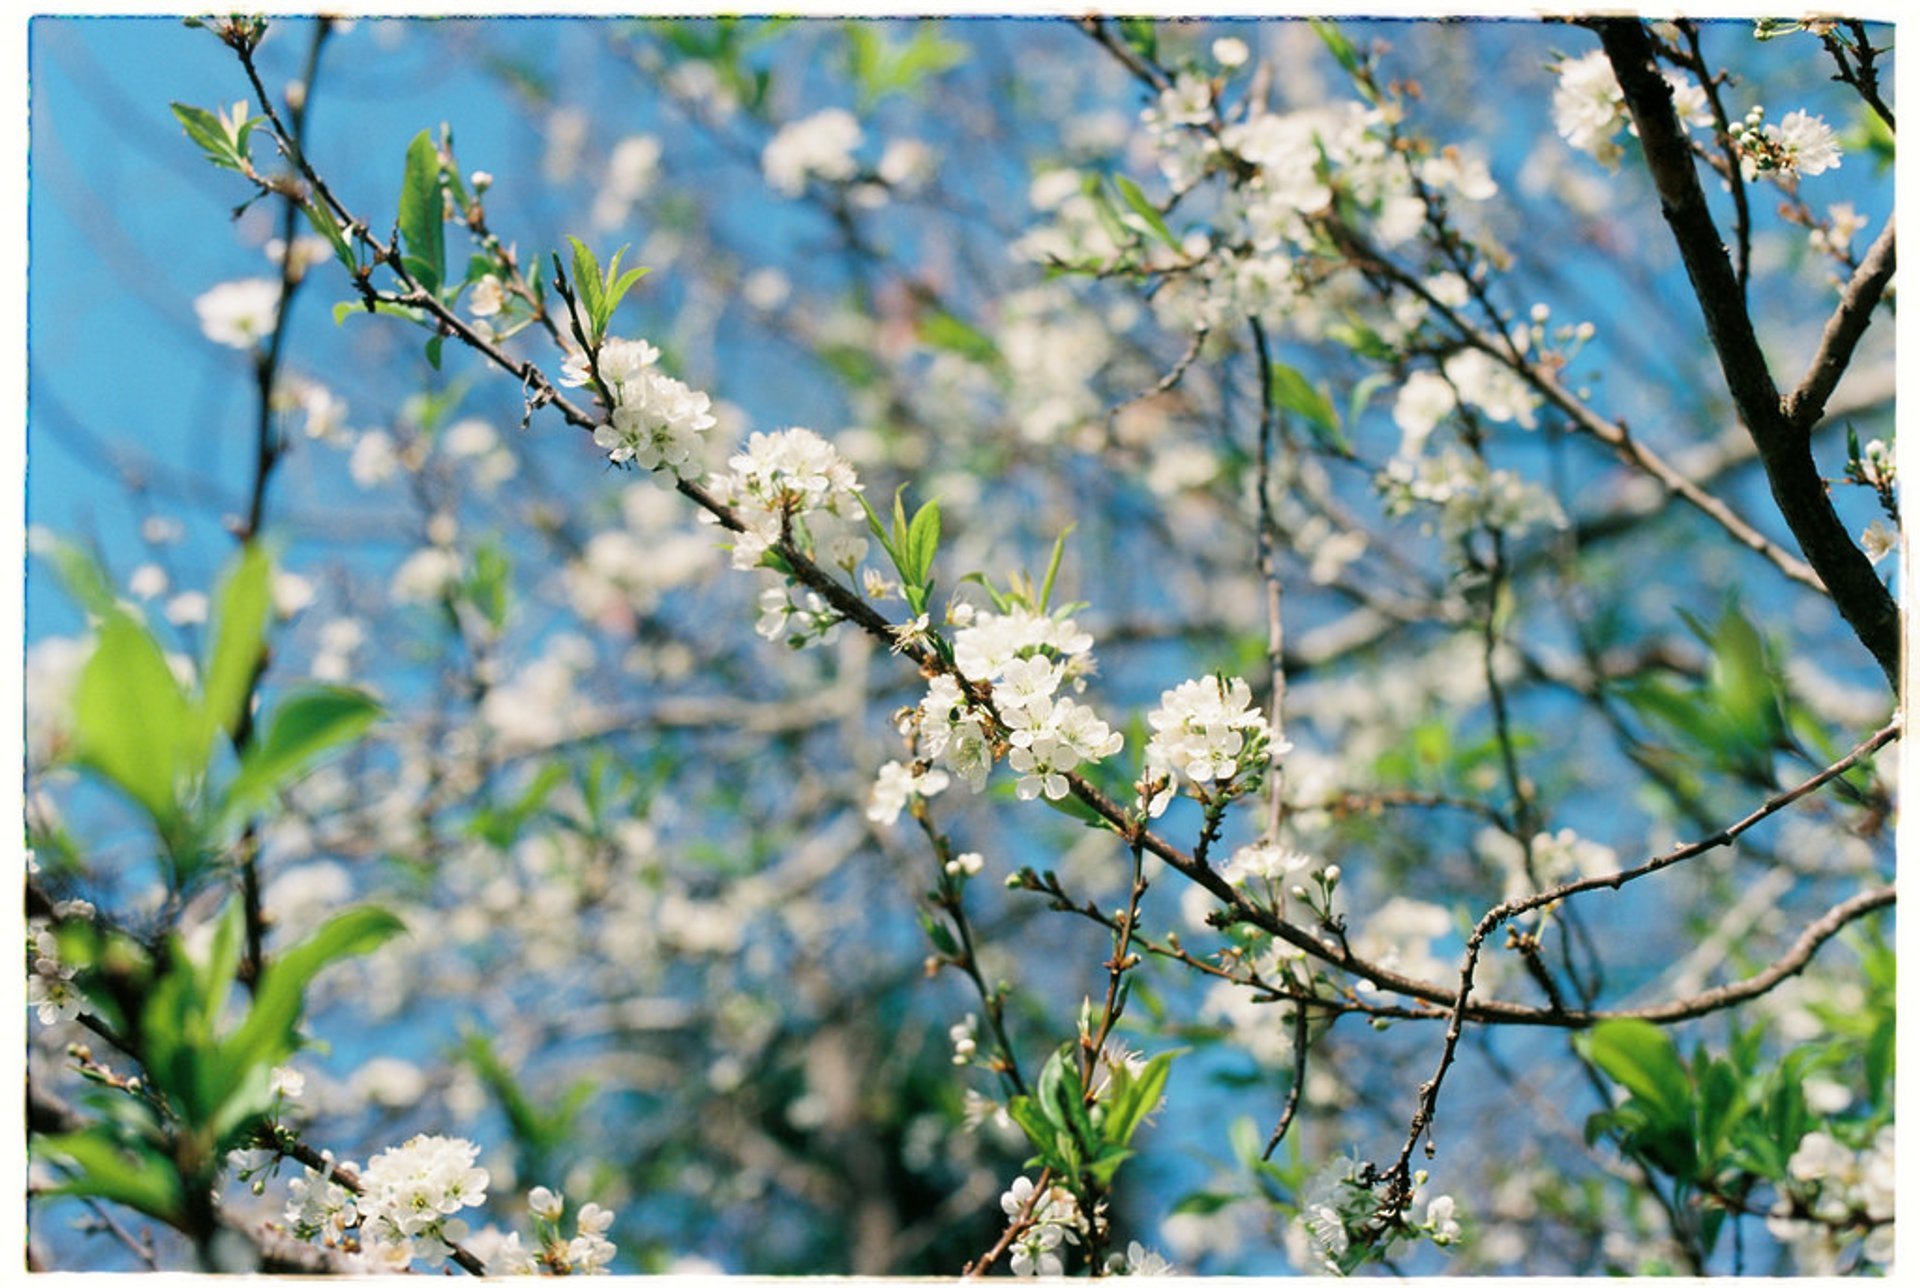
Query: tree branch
x,y
1808,403
1784,452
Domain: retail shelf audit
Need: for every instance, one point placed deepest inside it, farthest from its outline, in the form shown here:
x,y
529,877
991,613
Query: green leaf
x,y
1130,192
1053,568
434,345
85,581
133,1175
617,287
132,724
266,1037
879,531
1142,1096
923,541
937,933
1141,37
324,225
1337,43
1293,392
1641,1057
422,212
303,726
588,286
204,128
942,330
1027,1116
239,637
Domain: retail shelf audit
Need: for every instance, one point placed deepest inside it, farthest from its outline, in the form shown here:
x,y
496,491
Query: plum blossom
x,y
655,421
239,314
1208,731
897,784
819,146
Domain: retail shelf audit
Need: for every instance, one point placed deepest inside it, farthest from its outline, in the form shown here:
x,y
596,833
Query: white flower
x,y
1265,861
187,608
1491,386
965,1038
287,1081
1140,1261
317,1208
820,146
1424,401
966,865
1806,144
487,297
54,999
545,1204
590,1251
411,1193
906,165
1229,51
374,459
147,581
896,784
655,421
241,313
425,576
1205,729
1879,541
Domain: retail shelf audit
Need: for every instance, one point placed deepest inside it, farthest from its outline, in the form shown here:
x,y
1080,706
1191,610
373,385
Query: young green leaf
x,y
422,212
131,722
324,225
923,541
266,1037
588,287
121,1172
1293,392
1053,568
1641,1057
303,726
1135,198
239,638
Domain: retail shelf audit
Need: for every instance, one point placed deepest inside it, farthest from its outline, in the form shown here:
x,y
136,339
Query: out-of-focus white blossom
x,y
239,314
820,146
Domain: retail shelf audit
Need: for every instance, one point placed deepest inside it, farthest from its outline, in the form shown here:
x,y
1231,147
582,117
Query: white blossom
x,y
819,146
241,313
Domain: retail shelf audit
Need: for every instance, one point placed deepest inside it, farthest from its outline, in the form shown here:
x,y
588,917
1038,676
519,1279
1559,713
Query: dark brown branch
x,y
1808,403
1784,452
1796,959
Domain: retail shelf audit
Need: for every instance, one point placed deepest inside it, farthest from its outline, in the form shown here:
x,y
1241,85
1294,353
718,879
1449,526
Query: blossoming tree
x,y
1313,687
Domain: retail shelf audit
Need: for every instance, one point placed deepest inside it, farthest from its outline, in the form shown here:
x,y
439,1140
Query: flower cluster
x,y
407,1206
653,420
1801,144
1270,865
1025,657
1831,1190
1340,1219
589,1252
1054,1222
50,987
1589,109
1467,493
793,484
1209,733
410,1198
